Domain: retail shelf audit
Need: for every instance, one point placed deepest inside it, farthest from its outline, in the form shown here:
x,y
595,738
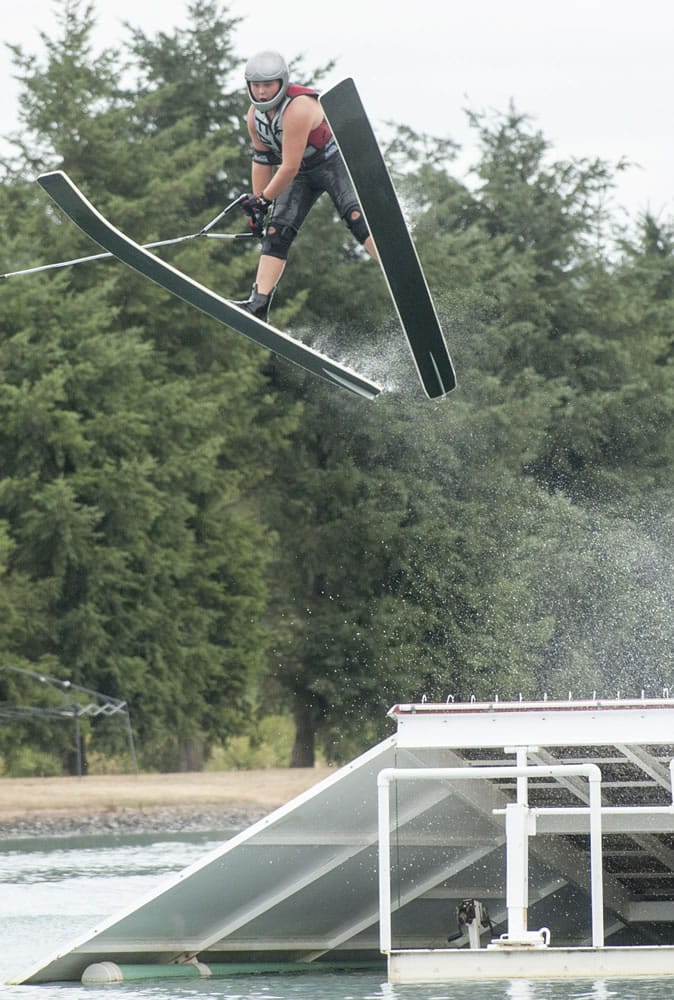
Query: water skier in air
x,y
295,159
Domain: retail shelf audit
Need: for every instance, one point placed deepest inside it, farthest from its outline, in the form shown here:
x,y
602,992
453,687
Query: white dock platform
x,y
552,963
307,885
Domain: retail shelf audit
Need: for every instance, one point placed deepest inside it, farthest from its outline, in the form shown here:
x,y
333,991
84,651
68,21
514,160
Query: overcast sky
x,y
597,76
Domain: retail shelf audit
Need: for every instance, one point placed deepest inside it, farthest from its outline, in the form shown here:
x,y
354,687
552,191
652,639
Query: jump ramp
x,y
306,886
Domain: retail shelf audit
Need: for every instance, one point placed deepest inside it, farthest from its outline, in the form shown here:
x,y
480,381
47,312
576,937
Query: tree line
x,y
190,524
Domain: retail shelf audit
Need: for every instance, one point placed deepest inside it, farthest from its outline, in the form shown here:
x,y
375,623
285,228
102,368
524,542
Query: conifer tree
x,y
135,433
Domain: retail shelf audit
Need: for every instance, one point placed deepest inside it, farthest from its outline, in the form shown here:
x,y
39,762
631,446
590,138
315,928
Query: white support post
x,y
517,869
521,758
384,866
596,873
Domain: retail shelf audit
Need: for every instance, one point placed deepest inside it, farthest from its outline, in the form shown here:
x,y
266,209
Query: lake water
x,y
51,891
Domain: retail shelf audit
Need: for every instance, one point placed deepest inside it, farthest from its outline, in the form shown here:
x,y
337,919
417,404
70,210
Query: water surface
x,y
52,891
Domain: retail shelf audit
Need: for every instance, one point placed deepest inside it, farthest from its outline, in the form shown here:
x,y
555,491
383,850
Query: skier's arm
x,y
298,121
260,173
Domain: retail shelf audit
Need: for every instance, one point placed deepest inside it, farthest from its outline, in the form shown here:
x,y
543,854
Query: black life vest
x,y
270,132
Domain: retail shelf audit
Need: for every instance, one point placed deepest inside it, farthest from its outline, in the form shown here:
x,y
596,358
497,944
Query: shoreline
x,y
111,805
158,820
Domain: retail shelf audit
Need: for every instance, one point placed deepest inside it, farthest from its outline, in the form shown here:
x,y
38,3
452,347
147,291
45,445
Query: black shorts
x,y
292,207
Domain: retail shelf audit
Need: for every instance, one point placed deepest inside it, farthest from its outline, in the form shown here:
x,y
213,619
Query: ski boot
x,y
257,304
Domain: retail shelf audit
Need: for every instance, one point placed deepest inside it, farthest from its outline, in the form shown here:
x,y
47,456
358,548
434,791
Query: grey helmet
x,y
262,68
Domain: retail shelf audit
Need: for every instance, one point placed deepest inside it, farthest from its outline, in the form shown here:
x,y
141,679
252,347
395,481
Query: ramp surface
x,y
301,884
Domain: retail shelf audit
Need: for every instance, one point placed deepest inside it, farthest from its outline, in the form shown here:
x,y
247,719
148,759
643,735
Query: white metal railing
x,y
590,771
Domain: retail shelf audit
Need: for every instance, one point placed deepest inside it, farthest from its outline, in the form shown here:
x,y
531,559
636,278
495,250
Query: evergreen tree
x,y
135,433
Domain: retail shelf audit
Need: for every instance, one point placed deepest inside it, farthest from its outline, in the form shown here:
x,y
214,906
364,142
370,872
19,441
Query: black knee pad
x,y
277,240
357,224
